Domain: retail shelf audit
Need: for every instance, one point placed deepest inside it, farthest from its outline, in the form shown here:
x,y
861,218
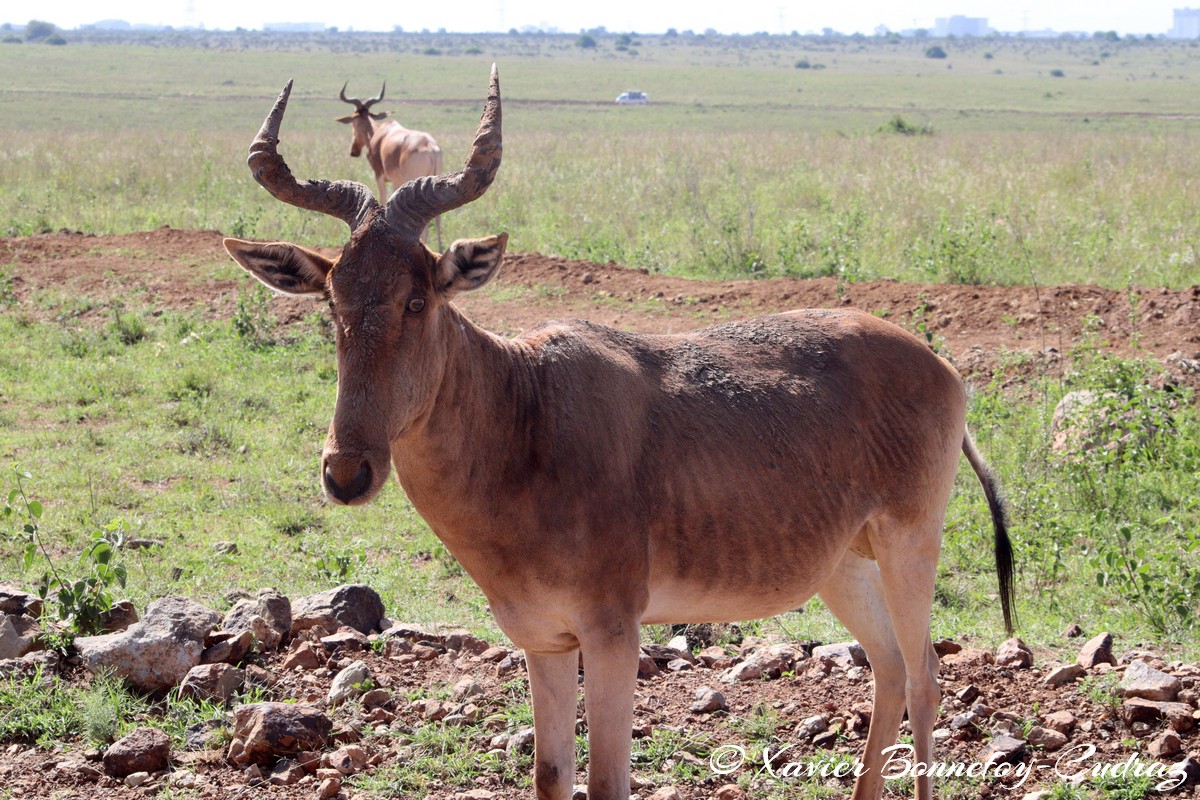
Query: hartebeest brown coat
x,y
592,480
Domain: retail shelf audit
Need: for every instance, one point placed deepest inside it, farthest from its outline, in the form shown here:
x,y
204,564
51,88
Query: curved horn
x,y
374,100
417,202
347,200
354,101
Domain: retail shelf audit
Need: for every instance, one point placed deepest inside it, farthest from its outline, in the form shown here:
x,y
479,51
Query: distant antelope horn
x,y
374,100
417,202
354,101
347,200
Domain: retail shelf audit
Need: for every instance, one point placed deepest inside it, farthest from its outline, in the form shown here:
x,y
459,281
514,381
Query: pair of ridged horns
x,y
411,207
361,105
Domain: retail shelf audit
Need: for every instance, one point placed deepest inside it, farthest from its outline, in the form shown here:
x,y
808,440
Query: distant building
x,y
961,26
1187,24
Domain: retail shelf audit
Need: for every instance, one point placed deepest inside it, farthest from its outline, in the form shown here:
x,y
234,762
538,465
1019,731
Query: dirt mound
x,y
976,326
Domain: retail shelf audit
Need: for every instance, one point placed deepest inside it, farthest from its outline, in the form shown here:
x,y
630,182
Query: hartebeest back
x,y
395,153
592,480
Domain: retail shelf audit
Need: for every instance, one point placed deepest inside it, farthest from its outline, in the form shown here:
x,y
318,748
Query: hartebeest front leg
x,y
554,683
610,662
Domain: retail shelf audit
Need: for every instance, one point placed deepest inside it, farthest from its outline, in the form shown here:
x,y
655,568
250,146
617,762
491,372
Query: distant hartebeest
x,y
394,152
592,480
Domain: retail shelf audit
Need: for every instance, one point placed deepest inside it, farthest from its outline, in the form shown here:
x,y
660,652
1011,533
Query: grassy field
x,y
743,164
1009,161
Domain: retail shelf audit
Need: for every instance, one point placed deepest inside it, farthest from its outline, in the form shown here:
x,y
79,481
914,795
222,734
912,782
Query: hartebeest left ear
x,y
285,267
469,264
346,120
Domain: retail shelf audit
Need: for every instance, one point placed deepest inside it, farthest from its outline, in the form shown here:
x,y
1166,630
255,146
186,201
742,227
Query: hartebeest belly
x,y
592,480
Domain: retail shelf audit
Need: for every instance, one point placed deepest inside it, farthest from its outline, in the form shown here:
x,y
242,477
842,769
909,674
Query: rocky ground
x,y
344,703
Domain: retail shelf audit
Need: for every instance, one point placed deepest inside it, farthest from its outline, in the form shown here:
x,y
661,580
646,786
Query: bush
x,y
1057,73
56,40
935,51
899,124
586,41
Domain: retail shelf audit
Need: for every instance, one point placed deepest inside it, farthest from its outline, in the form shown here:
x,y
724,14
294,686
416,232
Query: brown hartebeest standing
x,y
394,152
592,480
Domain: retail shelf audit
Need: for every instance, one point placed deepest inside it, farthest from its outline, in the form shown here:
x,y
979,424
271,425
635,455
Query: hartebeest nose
x,y
347,491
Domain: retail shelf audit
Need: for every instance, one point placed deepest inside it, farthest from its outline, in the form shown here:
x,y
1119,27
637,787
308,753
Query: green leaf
x,y
35,509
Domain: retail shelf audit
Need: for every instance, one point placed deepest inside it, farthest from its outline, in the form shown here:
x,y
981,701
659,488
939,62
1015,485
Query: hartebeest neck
x,y
476,435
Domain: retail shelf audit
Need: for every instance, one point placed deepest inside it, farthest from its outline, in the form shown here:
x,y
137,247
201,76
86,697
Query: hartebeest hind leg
x,y
554,683
854,593
908,554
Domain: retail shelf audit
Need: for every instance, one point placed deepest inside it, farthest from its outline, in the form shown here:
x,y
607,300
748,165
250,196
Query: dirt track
x,y
975,325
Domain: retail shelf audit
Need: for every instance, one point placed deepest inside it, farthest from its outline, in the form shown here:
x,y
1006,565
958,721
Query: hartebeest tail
x,y
593,480
1003,546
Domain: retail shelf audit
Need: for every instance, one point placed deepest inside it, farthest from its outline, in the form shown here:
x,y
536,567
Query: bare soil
x,y
979,327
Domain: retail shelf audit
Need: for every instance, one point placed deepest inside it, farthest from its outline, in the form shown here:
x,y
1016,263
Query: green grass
x,y
741,165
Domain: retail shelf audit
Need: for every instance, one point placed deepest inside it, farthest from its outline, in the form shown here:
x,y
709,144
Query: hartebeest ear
x,y
286,268
470,263
380,115
344,119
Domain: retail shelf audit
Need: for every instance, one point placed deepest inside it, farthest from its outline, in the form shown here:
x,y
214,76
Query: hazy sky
x,y
746,16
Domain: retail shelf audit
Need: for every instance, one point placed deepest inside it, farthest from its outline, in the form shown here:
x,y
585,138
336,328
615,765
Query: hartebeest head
x,y
387,291
361,118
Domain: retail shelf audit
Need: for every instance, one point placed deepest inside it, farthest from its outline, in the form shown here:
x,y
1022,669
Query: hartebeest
x,y
592,480
394,152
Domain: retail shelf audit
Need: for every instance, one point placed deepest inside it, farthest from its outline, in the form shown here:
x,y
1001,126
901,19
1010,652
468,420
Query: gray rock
x,y
1140,710
1098,650
143,750
347,683
1166,745
274,623
1143,680
707,700
156,653
265,732
811,726
1061,721
286,773
355,605
12,643
844,654
520,742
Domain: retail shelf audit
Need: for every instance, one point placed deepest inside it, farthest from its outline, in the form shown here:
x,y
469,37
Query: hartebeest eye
x,y
416,305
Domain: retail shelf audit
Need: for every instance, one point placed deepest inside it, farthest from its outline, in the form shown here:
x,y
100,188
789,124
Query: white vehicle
x,y
633,98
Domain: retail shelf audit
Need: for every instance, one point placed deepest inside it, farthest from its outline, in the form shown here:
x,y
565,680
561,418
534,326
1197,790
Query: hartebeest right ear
x,y
285,267
344,119
469,264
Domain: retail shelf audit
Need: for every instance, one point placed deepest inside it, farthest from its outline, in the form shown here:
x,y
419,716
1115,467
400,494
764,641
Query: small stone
x,y
1046,738
285,773
143,750
1014,653
812,726
826,739
225,548
348,760
304,655
708,700
1072,631
1143,680
1098,650
329,788
666,793
946,647
1166,745
466,688
136,779
494,654
844,654
1061,721
348,683
1002,748
679,665
520,742
730,791
968,694
1063,674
